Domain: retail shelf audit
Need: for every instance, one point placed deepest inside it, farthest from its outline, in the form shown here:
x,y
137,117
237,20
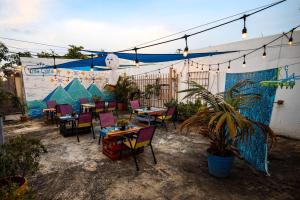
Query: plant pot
x,y
24,118
21,182
219,166
121,106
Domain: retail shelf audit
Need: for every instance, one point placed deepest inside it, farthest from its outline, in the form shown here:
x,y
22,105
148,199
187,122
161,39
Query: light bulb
x,y
290,41
244,64
92,69
244,33
185,52
54,70
137,63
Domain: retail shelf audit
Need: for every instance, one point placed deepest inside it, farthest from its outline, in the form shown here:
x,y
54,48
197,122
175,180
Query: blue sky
x,y
115,25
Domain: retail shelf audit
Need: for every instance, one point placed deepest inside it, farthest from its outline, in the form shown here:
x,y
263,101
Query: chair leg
x,y
153,154
99,141
135,160
93,131
76,130
165,125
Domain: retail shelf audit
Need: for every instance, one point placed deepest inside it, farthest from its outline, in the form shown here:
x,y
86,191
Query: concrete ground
x,y
79,171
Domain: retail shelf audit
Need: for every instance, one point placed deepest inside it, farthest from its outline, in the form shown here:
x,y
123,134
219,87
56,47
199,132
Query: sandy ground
x,y
79,171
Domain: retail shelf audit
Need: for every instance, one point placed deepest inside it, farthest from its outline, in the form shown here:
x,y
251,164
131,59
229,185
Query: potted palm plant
x,y
222,123
19,157
124,89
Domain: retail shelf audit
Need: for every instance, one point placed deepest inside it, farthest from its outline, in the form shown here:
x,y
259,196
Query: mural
x,y
66,86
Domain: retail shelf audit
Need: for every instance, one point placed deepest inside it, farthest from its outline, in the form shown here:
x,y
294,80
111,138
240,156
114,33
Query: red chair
x,y
135,104
99,107
112,107
168,115
51,104
142,139
85,123
106,120
64,109
83,100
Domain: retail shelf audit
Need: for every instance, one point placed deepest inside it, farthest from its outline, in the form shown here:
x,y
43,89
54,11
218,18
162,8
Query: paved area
x,y
79,171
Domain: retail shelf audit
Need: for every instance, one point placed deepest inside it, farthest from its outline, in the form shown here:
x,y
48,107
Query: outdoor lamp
x,y
244,63
186,49
54,65
92,64
264,53
228,68
244,31
137,63
291,38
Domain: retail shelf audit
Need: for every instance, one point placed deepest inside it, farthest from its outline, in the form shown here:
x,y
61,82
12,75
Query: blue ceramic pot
x,y
219,166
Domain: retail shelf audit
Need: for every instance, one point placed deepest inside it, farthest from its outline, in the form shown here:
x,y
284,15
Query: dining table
x,y
113,140
87,107
64,129
149,114
49,112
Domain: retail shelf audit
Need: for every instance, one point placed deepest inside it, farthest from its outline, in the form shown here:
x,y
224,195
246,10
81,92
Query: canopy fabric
x,y
144,58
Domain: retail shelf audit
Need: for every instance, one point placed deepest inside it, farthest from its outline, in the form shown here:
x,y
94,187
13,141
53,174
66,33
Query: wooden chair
x,y
168,115
106,120
84,123
99,107
135,104
51,104
142,139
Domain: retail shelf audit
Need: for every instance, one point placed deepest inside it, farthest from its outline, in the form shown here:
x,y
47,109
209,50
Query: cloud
x,y
19,13
97,35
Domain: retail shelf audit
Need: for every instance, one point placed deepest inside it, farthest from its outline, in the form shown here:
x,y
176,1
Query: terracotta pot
x,y
24,118
21,182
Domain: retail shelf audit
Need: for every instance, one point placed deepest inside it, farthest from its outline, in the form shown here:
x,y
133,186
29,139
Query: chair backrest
x,y
112,104
83,100
100,105
51,104
135,104
106,119
64,109
145,135
84,120
171,111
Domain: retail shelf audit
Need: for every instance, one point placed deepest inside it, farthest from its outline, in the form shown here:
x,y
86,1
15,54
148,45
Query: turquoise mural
x,y
255,151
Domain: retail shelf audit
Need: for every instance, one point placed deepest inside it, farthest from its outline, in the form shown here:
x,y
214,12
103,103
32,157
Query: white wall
x,y
285,118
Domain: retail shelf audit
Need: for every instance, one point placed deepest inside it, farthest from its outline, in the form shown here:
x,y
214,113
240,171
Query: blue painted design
x,y
255,151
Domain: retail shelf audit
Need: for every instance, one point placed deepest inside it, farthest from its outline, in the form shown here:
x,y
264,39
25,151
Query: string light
x,y
228,68
291,38
197,66
186,49
159,71
19,60
92,64
218,67
54,66
209,67
244,31
137,63
264,53
244,63
202,67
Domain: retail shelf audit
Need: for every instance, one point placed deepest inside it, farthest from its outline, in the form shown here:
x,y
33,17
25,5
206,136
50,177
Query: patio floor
x,y
72,170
